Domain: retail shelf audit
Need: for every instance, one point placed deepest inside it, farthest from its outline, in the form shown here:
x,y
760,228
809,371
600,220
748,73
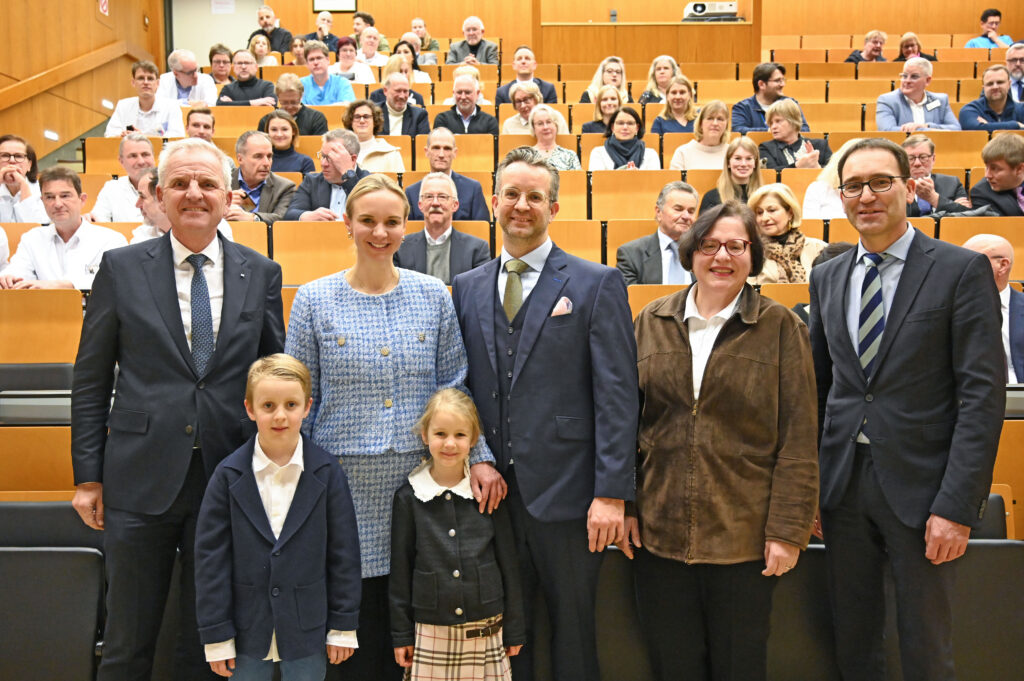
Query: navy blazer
x,y
315,192
933,406
1017,332
547,91
415,121
466,252
250,585
1004,203
472,204
574,399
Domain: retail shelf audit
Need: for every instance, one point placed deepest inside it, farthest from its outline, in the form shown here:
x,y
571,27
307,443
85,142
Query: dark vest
x,y
506,345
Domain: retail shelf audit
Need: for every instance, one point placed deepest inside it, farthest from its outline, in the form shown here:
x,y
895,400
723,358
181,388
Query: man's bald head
x,y
999,252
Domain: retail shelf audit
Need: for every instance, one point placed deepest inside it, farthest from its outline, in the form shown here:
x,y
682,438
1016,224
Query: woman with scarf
x,y
624,146
788,254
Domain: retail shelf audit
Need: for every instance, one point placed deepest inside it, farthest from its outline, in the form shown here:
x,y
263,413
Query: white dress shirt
x,y
20,208
703,333
917,109
439,240
163,120
5,249
664,241
213,270
44,256
535,259
204,89
116,202
377,59
1004,303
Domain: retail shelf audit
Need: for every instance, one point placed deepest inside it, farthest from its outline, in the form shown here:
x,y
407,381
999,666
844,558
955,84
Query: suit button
x,y
510,444
494,395
388,403
869,397
494,431
385,351
509,352
202,385
458,611
511,331
508,374
341,340
456,574
188,430
275,592
447,496
277,553
451,532
511,461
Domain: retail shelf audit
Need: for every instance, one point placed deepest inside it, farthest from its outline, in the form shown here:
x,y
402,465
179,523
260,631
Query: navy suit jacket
x,y
1004,203
315,192
141,447
467,252
472,204
574,400
250,584
933,406
415,121
1017,332
547,91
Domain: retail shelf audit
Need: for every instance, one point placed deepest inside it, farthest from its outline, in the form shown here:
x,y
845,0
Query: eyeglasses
x,y
778,81
534,198
911,76
1015,60
617,72
430,198
877,185
362,117
189,73
17,158
734,247
921,158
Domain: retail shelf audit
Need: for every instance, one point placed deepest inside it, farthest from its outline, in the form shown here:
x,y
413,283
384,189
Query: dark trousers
x,y
556,558
375,656
140,550
861,534
704,622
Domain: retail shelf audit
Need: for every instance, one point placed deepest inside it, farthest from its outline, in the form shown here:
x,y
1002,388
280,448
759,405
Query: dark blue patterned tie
x,y
202,317
872,313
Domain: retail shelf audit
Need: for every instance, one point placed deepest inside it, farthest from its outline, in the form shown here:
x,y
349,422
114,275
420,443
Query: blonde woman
x,y
788,253
910,47
609,100
678,113
611,71
706,151
821,199
788,148
545,124
663,69
427,43
740,177
259,45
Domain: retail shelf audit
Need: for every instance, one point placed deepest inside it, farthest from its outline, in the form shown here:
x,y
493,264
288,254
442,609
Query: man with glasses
x,y
321,196
145,113
1015,65
1002,188
184,83
247,90
990,38
474,49
440,250
933,192
440,152
905,332
912,107
995,109
769,80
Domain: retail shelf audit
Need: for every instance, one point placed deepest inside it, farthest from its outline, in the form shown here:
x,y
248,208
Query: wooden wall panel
x,y
585,43
600,10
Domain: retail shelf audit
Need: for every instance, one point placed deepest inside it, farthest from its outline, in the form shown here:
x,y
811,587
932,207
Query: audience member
x,y
788,148
324,22
247,90
874,41
525,96
256,192
398,65
624,147
654,259
545,124
609,99
65,253
740,177
376,155
912,107
1015,65
706,151
788,252
145,113
910,47
298,52
421,57
118,199
360,22
465,116
933,192
524,63
403,48
280,39
1002,189
427,44
769,80
259,46
679,111
474,49
321,87
440,151
368,43
289,90
399,117
284,135
611,71
154,220
990,38
19,192
200,123
474,73
348,67
440,250
185,84
822,200
220,64
999,252
663,69
832,250
995,109
321,196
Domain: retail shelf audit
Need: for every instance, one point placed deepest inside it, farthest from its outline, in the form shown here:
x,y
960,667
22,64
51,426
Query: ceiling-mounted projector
x,y
698,10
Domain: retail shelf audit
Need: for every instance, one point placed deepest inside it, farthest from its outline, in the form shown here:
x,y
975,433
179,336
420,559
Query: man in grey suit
x,y
182,317
905,332
932,191
654,259
474,49
440,250
911,107
257,193
321,196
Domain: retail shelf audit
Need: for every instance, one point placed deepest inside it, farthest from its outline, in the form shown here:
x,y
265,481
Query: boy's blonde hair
x,y
454,400
282,367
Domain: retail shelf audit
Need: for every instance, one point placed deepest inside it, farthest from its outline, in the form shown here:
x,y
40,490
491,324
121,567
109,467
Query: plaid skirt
x,y
443,653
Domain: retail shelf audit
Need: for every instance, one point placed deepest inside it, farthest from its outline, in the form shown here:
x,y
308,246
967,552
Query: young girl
x,y
453,569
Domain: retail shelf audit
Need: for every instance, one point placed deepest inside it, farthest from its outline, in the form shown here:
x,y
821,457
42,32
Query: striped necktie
x,y
872,314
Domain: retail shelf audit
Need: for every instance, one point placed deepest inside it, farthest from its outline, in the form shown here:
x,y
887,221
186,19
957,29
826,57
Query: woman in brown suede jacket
x,y
727,473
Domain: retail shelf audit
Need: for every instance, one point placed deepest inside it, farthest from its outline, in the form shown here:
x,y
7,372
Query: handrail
x,y
69,70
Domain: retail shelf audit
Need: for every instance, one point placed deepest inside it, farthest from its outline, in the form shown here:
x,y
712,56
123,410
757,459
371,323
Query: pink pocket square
x,y
563,306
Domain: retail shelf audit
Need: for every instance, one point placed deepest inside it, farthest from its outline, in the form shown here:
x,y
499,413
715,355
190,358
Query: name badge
x,y
934,104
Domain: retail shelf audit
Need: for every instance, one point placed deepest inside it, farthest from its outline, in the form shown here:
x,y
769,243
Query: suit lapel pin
x,y
242,275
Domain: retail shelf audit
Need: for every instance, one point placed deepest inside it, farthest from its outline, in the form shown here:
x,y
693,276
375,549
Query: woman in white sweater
x,y
706,151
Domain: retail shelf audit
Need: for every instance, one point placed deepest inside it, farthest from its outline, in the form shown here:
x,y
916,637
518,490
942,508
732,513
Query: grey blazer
x,y
467,252
640,260
486,54
274,199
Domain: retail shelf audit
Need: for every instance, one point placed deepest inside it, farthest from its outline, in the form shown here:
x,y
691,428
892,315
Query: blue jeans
x,y
312,668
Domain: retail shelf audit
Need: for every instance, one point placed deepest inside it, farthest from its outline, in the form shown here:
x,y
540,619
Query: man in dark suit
x,y
1002,190
654,259
415,120
440,250
525,64
465,117
552,366
906,342
999,252
182,317
933,192
257,193
440,152
321,196
474,49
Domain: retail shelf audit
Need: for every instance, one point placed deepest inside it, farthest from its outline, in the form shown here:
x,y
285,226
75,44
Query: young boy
x,y
277,553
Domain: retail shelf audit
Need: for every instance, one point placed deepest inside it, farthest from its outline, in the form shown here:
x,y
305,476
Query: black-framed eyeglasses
x,y
734,247
877,185
17,158
920,158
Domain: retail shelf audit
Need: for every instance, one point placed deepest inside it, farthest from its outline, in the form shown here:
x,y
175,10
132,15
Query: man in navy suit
x,y
552,368
999,252
1002,189
181,317
525,64
321,196
415,120
905,333
440,152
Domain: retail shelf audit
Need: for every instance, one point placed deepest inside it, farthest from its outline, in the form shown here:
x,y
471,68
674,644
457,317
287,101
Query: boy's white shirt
x,y
277,485
425,488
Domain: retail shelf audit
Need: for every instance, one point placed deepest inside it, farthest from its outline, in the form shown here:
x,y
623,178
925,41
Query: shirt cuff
x,y
342,639
215,652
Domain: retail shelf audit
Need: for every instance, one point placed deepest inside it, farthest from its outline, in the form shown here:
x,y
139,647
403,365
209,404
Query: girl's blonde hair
x,y
601,91
455,401
727,189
